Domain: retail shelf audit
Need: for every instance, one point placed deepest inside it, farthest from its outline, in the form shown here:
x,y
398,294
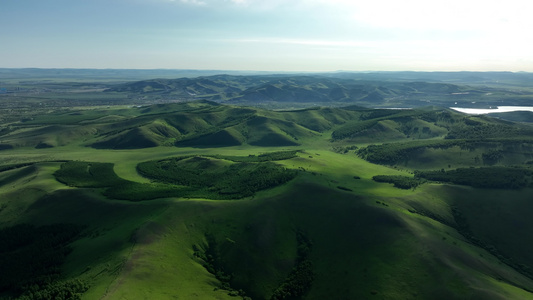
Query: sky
x,y
268,35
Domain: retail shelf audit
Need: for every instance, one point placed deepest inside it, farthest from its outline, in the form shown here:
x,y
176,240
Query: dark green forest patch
x,y
187,176
300,279
211,178
130,139
210,258
485,177
491,150
399,181
5,147
102,175
475,130
222,138
392,153
31,258
86,174
269,156
295,286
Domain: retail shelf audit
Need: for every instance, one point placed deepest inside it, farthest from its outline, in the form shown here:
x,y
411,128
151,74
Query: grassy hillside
x,y
202,124
200,200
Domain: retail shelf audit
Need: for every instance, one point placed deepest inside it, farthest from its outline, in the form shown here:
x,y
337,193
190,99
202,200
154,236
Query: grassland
x,y
318,224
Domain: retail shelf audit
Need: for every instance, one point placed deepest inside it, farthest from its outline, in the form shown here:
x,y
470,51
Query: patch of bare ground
x,y
147,234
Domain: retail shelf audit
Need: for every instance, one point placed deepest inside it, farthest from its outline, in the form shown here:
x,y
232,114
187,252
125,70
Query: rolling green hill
x,y
195,125
201,200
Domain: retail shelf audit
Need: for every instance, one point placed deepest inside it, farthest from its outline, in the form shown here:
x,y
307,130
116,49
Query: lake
x,y
496,109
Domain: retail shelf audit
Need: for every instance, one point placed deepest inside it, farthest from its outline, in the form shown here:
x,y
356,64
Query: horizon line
x,y
260,71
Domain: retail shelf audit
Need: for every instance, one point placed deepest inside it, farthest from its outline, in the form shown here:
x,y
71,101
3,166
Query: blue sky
x,y
269,35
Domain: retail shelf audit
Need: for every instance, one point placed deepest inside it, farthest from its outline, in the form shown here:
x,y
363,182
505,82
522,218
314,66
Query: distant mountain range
x,y
273,91
143,74
371,90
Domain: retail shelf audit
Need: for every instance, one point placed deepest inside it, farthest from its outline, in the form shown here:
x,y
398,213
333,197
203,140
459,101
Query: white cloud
x,y
240,2
190,2
437,15
194,2
314,42
260,4
389,34
265,4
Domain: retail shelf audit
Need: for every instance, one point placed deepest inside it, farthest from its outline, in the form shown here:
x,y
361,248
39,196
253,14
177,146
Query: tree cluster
x,y
301,277
350,129
211,260
492,157
270,156
485,177
85,174
392,153
478,130
399,181
31,257
175,179
237,180
61,290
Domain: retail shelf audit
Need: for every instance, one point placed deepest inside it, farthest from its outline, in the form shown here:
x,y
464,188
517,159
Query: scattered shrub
x,y
401,182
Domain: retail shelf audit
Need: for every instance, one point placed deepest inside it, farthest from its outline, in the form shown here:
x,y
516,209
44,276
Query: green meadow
x,y
200,200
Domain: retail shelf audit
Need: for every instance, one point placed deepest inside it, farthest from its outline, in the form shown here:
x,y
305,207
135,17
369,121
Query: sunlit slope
x,y
202,124
208,124
372,241
330,232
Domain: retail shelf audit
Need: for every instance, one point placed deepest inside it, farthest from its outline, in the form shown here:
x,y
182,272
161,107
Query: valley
x,y
265,187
